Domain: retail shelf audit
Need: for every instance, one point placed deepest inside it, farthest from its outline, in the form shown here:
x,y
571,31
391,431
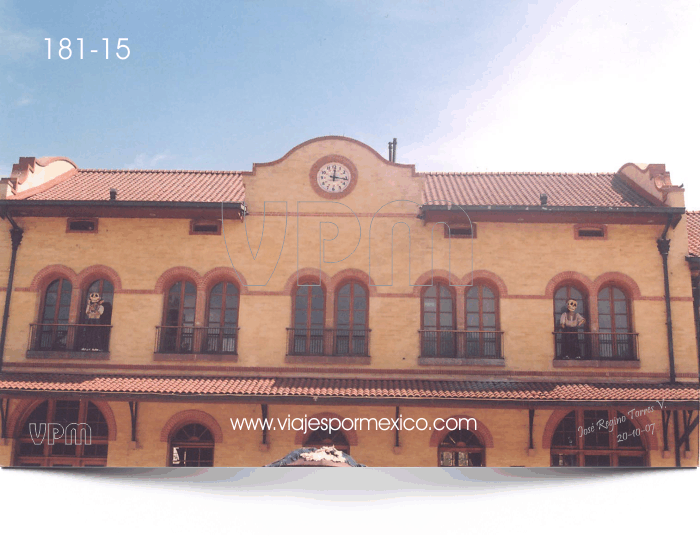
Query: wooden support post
x,y
397,440
665,416
4,407
687,418
532,421
677,438
263,407
689,427
134,409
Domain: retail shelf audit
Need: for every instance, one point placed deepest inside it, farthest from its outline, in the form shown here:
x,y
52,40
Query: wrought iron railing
x,y
461,343
595,345
328,341
69,337
196,340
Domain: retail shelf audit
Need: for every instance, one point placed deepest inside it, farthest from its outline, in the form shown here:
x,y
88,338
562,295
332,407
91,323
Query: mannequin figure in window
x,y
94,310
570,321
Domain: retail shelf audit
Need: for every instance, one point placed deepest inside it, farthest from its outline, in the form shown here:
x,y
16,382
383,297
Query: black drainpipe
x,y
664,244
16,234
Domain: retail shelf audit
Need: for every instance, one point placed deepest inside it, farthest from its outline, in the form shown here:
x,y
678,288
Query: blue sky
x,y
464,86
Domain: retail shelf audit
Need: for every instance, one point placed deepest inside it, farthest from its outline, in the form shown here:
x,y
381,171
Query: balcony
x,y
461,347
602,349
328,345
192,343
80,341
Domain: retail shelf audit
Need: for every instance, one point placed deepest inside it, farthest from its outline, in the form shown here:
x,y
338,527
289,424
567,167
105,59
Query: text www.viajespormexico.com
x,y
332,424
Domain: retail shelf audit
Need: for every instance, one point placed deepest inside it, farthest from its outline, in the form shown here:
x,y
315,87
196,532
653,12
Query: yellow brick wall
x,y
508,427
525,256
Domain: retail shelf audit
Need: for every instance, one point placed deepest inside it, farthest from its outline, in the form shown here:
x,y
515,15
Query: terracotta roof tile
x,y
562,189
693,233
351,388
143,185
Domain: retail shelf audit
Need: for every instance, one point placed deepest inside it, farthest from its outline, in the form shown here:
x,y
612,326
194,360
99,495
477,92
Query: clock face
x,y
334,177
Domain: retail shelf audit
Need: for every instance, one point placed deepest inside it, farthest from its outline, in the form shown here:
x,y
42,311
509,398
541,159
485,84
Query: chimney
x,y
543,198
112,194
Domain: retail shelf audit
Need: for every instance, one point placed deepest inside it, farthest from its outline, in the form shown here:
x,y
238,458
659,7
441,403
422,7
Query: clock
x,y
333,176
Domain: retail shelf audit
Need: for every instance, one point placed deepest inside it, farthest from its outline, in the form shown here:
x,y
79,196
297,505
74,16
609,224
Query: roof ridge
x,y
516,173
147,170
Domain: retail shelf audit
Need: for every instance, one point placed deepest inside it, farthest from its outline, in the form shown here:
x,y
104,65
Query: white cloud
x,y
16,42
144,161
601,84
23,101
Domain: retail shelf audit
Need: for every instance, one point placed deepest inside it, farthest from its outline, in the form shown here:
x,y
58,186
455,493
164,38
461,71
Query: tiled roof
x,y
142,185
562,189
694,233
350,388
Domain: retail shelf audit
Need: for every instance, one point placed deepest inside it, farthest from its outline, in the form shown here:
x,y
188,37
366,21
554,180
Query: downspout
x,y
16,235
664,245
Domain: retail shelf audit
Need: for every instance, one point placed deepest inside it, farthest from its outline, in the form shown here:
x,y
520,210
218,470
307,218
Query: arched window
x,y
192,445
570,322
63,433
309,308
483,338
53,330
178,330
461,447
222,319
322,437
438,321
597,438
96,309
615,338
351,333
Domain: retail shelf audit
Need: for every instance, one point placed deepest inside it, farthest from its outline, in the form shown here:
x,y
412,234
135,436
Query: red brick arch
x,y
309,274
350,434
26,406
570,276
191,416
487,276
551,426
625,282
353,274
96,272
481,431
340,279
50,273
228,274
430,276
174,274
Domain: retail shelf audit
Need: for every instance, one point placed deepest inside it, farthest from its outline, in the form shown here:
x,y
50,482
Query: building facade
x,y
551,315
